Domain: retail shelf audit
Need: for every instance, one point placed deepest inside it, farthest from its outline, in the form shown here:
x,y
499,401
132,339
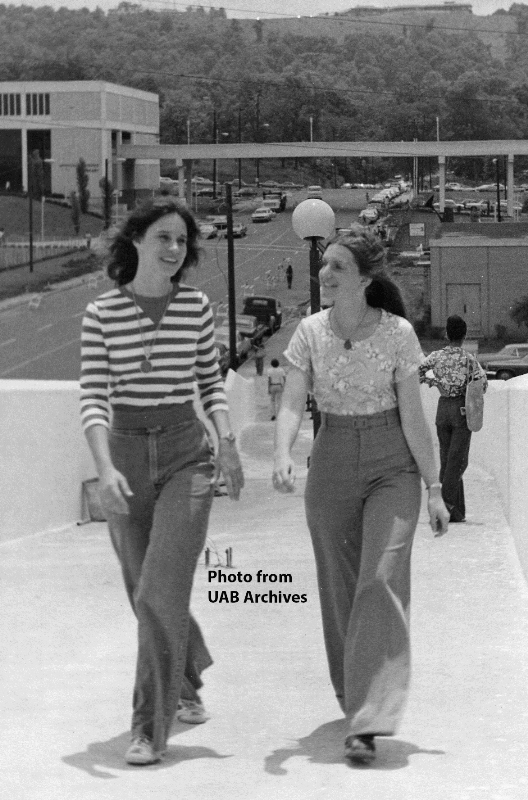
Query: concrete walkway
x,y
276,733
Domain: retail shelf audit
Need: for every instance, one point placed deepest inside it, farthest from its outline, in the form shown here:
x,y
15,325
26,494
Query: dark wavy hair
x,y
369,255
123,262
456,328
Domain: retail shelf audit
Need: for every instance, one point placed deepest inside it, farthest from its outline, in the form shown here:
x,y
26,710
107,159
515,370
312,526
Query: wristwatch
x,y
228,437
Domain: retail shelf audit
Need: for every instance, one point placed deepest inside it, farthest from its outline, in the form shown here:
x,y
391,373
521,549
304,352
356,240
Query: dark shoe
x,y
360,749
141,752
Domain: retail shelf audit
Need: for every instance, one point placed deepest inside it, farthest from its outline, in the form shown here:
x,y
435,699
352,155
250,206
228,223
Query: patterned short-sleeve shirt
x,y
361,380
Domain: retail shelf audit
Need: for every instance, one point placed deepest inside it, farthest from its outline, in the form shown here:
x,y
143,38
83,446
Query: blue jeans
x,y
170,470
362,502
454,438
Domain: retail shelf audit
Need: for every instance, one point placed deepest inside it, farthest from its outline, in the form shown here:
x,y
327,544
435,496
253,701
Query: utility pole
x,y
30,200
231,299
215,141
239,139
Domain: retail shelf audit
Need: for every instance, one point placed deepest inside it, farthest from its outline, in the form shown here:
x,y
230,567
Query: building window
x,y
10,105
37,105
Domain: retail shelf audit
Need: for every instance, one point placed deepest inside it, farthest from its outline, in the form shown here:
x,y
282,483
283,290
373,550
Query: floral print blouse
x,y
450,370
361,380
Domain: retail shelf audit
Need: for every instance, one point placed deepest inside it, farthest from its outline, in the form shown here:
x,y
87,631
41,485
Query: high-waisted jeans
x,y
169,467
362,504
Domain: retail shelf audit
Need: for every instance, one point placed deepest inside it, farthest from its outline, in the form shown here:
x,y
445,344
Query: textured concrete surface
x,y
276,733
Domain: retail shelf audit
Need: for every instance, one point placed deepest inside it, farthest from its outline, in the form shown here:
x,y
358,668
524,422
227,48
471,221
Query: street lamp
x,y
311,127
314,220
257,178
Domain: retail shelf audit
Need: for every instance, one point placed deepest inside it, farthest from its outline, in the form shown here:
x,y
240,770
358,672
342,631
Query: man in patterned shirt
x,y
450,368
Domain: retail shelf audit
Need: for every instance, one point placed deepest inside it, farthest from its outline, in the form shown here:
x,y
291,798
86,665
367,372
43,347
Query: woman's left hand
x,y
438,514
228,463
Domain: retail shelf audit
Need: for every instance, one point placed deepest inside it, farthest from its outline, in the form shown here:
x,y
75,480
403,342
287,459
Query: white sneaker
x,y
192,712
141,752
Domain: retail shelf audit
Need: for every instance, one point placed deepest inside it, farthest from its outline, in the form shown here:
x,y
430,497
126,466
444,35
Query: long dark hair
x,y
123,263
369,255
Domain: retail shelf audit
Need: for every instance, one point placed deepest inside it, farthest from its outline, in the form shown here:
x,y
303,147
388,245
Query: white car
x,y
262,215
207,230
369,215
448,203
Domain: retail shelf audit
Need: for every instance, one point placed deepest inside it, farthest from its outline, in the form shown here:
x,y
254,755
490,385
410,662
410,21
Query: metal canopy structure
x,y
185,154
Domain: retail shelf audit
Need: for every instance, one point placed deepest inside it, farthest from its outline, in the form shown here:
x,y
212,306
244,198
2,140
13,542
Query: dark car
x,y
505,368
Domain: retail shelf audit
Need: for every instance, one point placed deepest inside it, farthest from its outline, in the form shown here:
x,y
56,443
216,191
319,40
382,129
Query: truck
x,y
267,310
274,200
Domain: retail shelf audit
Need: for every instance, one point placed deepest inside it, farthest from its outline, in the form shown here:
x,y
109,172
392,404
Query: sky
x,y
268,8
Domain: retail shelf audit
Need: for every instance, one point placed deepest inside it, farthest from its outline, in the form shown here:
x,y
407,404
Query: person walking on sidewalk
x,y
276,380
143,345
260,355
360,357
289,273
451,367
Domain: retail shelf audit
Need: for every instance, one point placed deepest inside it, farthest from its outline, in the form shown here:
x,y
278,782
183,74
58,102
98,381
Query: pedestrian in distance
x,y
144,343
360,357
276,381
260,355
451,368
289,274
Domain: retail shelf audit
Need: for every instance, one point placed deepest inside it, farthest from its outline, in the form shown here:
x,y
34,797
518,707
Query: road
x,y
44,343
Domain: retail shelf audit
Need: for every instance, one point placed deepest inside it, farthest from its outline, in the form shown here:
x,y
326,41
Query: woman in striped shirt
x,y
144,343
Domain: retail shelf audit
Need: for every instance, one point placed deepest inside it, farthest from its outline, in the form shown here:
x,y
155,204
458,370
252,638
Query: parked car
x,y
244,345
368,215
239,229
219,221
262,215
509,352
315,192
480,205
448,203
505,368
207,230
245,191
267,310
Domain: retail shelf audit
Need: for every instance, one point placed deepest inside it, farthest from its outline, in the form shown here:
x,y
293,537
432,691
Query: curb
x,y
20,299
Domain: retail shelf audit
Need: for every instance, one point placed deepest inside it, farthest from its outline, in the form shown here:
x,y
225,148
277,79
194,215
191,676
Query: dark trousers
x,y
170,470
454,437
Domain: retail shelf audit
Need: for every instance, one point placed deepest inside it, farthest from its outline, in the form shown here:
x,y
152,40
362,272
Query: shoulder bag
x,y
474,399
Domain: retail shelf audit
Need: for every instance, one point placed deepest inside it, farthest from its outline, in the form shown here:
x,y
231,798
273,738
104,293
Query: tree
x,y
82,185
75,212
107,191
519,311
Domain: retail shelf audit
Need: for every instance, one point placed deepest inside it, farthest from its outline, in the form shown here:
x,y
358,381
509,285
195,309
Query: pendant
x,y
348,344
145,366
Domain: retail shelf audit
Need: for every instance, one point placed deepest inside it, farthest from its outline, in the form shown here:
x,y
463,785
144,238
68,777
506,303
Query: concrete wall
x,y
44,457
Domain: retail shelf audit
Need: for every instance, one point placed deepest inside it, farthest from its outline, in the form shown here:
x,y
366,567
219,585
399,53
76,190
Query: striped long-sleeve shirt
x,y
112,351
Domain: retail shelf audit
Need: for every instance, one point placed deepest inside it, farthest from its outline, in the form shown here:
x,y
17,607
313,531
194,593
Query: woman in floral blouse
x,y
360,358
450,368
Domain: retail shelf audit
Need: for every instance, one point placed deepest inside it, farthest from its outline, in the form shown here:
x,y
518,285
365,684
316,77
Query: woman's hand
x,y
438,513
113,492
283,477
228,463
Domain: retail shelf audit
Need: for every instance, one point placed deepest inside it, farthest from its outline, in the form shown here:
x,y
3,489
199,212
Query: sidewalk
x,y
276,732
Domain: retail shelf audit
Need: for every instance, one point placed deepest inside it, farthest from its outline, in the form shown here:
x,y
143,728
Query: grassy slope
x,y
14,219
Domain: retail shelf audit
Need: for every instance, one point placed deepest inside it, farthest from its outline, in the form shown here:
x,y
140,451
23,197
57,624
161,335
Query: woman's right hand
x,y
114,491
283,477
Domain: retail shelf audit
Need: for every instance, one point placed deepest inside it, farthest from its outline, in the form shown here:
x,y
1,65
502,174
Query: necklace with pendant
x,y
145,365
348,343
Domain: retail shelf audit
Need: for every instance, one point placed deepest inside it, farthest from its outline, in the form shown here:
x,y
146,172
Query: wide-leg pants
x,y
362,504
454,438
170,471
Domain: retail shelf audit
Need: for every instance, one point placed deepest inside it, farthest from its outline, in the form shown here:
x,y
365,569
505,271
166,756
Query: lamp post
x,y
311,127
497,179
313,221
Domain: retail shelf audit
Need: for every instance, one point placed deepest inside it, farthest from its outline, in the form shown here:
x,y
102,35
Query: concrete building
x,y
479,271
69,120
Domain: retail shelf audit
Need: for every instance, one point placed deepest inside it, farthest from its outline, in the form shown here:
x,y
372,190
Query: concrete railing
x,y
501,449
44,457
